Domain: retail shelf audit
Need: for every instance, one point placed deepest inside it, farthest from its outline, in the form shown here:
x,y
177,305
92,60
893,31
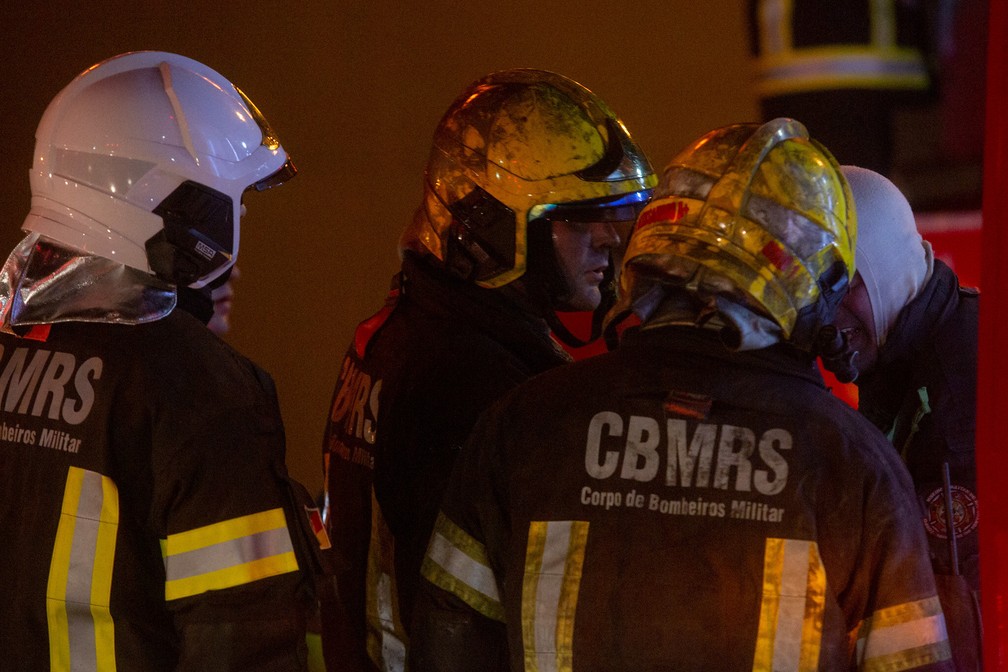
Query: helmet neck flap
x,y
749,216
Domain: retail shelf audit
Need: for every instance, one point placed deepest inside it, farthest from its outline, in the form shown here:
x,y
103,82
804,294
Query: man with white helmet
x,y
531,181
696,499
146,516
914,331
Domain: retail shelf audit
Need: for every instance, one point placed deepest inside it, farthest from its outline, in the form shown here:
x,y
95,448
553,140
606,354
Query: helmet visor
x,y
286,172
620,212
620,208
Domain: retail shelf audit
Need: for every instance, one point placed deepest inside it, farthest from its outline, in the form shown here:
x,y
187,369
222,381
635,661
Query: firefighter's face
x,y
582,251
856,319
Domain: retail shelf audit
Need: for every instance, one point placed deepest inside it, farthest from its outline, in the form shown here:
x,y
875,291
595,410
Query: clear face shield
x,y
620,212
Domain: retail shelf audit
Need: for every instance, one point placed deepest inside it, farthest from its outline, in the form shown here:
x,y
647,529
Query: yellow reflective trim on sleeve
x,y
792,608
906,613
59,569
910,659
567,607
534,550
904,636
386,636
227,530
101,587
231,576
228,554
79,587
772,565
554,563
458,564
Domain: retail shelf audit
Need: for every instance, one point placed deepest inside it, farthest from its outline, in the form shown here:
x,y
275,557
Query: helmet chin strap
x,y
837,356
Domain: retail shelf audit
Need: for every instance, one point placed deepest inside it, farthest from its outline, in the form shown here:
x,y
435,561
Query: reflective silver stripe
x,y
81,634
791,605
843,65
554,562
835,70
393,649
227,554
463,567
83,655
895,636
904,636
548,590
385,635
458,563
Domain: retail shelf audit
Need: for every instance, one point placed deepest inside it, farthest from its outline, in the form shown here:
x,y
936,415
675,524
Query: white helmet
x,y
143,159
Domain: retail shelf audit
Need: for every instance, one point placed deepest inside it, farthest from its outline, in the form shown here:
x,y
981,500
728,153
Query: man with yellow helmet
x,y
531,186
695,499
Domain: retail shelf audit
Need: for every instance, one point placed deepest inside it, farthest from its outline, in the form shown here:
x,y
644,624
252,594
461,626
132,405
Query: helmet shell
x,y
142,130
514,145
761,212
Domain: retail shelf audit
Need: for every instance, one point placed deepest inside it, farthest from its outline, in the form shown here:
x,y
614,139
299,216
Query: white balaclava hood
x,y
892,258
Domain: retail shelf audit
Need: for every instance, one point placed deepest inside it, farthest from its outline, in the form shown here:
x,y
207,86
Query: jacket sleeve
x,y
237,582
459,619
890,599
342,600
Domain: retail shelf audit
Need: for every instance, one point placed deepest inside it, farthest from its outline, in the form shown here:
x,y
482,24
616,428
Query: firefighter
x,y
146,515
530,188
695,499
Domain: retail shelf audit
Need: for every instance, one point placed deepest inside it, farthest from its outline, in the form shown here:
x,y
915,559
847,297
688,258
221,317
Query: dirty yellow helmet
x,y
760,213
517,146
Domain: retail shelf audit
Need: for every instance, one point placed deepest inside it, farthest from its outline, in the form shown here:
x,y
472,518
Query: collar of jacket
x,y
489,311
882,390
781,358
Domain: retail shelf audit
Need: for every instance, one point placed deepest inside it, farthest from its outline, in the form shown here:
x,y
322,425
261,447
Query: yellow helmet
x,y
760,212
516,146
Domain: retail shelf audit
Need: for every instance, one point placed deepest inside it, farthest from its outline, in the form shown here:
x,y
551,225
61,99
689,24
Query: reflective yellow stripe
x,y
775,25
231,576
791,614
883,23
386,637
101,587
227,554
78,591
783,68
459,564
554,561
836,67
386,642
903,637
227,530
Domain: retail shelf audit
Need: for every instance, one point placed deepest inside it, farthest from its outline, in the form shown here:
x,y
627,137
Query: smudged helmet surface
x,y
517,146
759,212
143,159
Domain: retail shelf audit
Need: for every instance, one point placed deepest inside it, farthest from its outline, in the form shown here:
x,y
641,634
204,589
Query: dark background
x,y
354,90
